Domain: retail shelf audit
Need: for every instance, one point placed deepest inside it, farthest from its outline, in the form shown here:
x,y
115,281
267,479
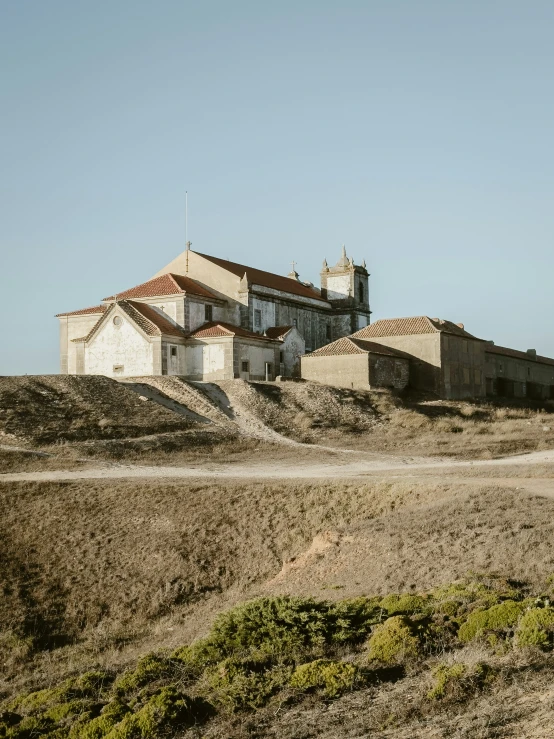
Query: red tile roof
x,y
411,326
266,279
349,345
209,330
84,311
150,320
168,284
516,354
277,332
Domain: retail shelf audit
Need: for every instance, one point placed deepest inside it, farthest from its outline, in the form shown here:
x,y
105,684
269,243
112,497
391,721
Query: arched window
x,y
361,291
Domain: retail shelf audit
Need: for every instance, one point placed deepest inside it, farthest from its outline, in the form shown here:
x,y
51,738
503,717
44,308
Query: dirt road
x,y
350,465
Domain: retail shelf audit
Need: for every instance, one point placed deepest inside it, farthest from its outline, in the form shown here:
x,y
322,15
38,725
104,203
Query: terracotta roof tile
x,y
168,284
411,326
277,332
84,311
209,330
266,279
516,354
350,345
151,321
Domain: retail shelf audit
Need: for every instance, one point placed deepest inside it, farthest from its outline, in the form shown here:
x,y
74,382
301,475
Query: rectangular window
x,y
257,320
281,357
208,313
118,369
173,351
244,366
295,322
328,332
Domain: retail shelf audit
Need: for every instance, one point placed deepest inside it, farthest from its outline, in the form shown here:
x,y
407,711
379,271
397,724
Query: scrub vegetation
x,y
288,651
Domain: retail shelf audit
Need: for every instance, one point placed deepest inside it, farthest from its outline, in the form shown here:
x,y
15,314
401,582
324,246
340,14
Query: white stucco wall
x,y
257,356
169,307
77,327
119,345
206,359
338,286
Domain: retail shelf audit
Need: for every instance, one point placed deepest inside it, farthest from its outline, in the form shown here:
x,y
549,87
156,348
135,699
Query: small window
x,y
173,351
257,319
361,292
281,357
118,369
244,367
208,313
295,322
117,321
328,331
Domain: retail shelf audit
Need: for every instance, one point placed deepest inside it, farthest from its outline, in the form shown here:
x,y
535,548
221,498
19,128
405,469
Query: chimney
x,y
532,353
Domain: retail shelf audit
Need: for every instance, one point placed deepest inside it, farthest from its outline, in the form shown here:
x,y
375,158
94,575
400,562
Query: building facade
x,y
194,314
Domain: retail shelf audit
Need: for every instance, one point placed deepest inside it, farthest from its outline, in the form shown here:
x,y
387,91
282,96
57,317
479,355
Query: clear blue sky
x,y
417,133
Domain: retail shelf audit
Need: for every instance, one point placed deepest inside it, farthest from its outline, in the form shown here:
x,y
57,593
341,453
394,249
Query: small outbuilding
x,y
292,348
358,364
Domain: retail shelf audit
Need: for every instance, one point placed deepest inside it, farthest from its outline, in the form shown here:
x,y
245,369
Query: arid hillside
x,y
189,504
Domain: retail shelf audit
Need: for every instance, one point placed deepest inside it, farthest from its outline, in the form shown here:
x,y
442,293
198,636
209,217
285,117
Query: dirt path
x,y
349,468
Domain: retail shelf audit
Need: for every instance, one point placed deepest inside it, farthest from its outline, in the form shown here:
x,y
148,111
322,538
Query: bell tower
x,y
346,284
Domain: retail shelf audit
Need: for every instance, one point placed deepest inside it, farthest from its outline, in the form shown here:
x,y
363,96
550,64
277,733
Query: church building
x,y
207,318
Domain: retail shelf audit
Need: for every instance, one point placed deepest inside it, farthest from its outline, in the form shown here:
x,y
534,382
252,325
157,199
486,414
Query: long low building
x,y
443,359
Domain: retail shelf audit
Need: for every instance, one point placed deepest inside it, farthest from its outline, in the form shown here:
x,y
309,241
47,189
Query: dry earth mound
x,y
46,409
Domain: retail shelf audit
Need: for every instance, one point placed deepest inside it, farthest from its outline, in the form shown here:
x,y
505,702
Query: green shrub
x,y
456,681
149,668
536,628
394,641
499,618
285,627
409,604
472,593
239,685
332,677
167,709
100,726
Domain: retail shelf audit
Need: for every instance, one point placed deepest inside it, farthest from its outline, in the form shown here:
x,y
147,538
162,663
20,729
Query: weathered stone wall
x,y
388,371
347,370
424,352
292,348
517,377
463,367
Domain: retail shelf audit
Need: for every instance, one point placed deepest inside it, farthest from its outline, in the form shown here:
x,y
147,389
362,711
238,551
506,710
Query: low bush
x,y
149,668
394,641
331,677
238,685
498,620
536,628
409,604
454,682
167,709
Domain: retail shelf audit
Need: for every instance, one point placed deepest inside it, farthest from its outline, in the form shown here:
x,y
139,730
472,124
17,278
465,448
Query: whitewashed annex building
x,y
206,318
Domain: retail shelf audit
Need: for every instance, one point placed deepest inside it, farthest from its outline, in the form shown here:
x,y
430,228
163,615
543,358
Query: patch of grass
x,y
332,677
406,604
455,682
